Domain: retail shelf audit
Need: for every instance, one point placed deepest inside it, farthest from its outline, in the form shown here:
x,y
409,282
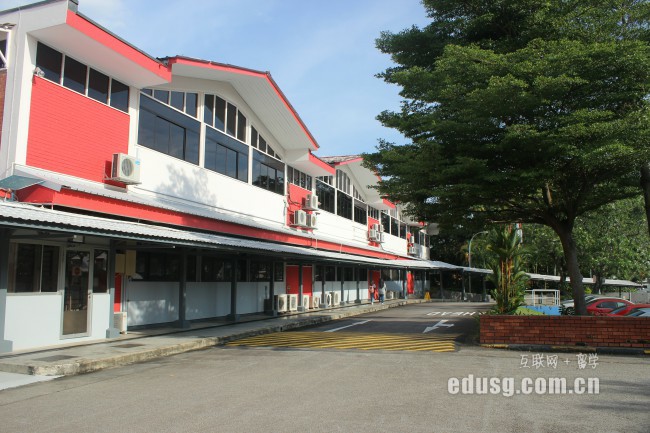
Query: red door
x,y
293,283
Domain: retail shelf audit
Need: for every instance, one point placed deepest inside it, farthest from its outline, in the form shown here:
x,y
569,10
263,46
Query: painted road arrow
x,y
438,325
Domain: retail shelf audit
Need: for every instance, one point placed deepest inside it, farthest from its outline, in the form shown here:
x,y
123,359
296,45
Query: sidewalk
x,y
143,345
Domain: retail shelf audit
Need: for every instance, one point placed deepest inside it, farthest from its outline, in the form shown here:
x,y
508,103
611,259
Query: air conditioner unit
x,y
125,169
328,299
311,202
293,302
414,250
300,218
375,236
336,299
378,227
280,303
314,301
312,220
306,301
119,321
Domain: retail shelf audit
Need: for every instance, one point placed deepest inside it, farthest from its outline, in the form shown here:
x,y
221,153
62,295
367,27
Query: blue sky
x,y
321,53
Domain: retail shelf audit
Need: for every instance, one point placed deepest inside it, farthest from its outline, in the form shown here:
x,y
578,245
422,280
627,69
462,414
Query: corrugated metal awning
x,y
20,215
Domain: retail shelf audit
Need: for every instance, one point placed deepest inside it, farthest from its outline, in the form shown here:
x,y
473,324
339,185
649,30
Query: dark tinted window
x,y
241,127
191,101
119,96
219,113
343,205
208,110
74,77
325,195
49,61
231,121
98,86
360,214
161,95
268,173
226,155
177,100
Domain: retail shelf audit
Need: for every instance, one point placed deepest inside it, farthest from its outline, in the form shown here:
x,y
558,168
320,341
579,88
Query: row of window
x,y
35,268
182,101
299,178
76,76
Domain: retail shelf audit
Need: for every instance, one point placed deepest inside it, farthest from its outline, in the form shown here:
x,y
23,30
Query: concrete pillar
x,y
323,299
301,307
357,276
182,292
111,331
233,291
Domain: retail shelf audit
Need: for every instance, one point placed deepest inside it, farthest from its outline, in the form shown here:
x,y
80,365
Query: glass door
x,y
77,292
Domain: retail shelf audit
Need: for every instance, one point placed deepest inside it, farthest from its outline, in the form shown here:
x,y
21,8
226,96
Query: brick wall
x,y
566,331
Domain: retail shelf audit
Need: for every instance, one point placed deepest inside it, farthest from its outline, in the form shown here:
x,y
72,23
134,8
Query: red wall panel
x,y
72,134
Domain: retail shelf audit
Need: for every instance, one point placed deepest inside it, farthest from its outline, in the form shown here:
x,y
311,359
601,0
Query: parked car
x,y
602,306
639,312
568,307
622,311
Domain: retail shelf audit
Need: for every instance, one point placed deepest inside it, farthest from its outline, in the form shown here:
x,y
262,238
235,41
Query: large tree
x,y
529,111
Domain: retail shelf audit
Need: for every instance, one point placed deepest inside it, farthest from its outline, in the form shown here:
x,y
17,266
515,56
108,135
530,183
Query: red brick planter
x,y
566,331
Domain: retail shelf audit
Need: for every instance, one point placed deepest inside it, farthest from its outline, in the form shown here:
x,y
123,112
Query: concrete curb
x,y
87,365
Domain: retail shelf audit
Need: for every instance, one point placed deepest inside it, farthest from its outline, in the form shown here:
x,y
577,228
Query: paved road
x,y
274,389
416,327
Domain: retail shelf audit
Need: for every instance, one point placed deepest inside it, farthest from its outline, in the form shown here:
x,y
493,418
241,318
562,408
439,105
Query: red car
x,y
602,306
622,311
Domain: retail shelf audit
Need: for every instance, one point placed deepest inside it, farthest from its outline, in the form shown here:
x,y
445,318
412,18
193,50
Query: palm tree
x,y
506,262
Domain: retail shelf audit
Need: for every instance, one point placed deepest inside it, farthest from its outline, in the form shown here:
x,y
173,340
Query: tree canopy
x,y
528,111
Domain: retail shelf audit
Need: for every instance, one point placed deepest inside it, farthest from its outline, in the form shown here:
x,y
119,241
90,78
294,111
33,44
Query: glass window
x,y
33,268
253,137
402,230
360,214
74,76
268,173
219,113
98,86
100,271
343,205
385,221
394,227
163,129
161,95
191,104
49,61
262,145
208,110
231,120
226,155
241,127
119,96
177,100
325,196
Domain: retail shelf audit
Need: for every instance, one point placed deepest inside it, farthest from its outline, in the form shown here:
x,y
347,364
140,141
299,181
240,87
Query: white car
x,y
568,306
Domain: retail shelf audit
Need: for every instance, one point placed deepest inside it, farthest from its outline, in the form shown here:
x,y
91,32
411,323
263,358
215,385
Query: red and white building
x,y
136,191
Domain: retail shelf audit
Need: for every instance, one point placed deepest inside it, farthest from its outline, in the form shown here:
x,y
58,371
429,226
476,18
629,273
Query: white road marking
x,y
438,325
347,326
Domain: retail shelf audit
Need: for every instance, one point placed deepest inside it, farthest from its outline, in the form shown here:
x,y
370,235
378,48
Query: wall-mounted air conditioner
x,y
414,250
375,236
125,168
311,202
314,301
280,303
336,299
306,301
293,302
300,218
378,227
312,220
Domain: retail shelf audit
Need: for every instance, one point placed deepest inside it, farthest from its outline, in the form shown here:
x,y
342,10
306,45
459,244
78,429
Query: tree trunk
x,y
645,186
573,269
